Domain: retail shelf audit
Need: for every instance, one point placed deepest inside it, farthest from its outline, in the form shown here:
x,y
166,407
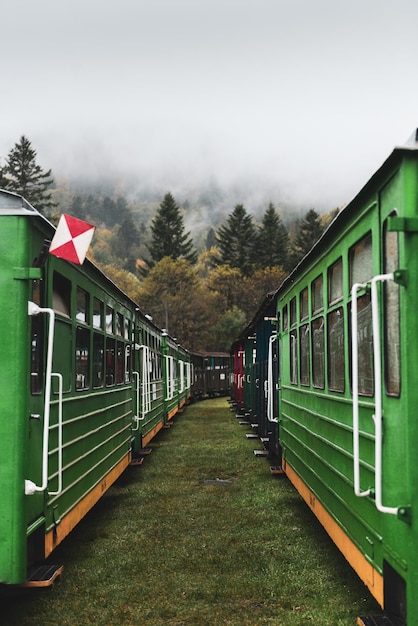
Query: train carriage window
x,y
109,319
361,261
303,303
285,320
365,345
110,361
82,305
98,360
318,353
293,318
293,357
318,294
82,359
305,354
119,324
127,329
120,363
335,282
391,321
335,350
97,313
61,294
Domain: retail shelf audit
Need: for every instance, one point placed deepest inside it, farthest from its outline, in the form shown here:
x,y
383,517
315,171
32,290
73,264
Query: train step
x,y
251,436
137,460
41,576
145,451
244,423
276,470
261,452
380,620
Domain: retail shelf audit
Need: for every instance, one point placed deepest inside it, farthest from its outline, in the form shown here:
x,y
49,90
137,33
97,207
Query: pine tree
x,y
169,238
4,182
126,242
310,230
237,240
27,178
273,240
211,239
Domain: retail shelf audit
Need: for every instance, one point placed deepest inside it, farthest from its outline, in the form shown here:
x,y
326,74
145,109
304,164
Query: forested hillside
x,y
202,295
199,262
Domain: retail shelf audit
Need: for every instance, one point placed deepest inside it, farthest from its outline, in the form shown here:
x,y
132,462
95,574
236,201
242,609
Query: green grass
x,y
169,546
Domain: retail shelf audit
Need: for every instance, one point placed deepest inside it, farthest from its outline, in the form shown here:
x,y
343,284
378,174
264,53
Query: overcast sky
x,y
310,94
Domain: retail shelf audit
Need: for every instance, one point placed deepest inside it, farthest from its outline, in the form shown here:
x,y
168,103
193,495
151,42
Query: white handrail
x,y
146,382
169,377
354,365
30,486
378,416
136,417
60,387
270,390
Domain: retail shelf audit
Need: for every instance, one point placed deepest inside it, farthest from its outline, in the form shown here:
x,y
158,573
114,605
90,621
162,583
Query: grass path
x,y
201,534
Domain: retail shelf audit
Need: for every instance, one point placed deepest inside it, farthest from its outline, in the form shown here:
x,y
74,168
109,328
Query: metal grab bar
x,y
169,360
146,382
270,391
30,486
60,387
378,416
136,417
354,365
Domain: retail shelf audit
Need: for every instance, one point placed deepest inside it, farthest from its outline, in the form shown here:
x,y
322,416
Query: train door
x,y
273,394
379,310
394,308
44,458
136,389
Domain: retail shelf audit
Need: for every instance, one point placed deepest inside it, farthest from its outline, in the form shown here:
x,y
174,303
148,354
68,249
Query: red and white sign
x,y
72,239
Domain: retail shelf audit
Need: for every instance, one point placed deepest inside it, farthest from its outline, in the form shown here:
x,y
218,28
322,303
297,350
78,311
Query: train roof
x,y
14,204
267,310
267,306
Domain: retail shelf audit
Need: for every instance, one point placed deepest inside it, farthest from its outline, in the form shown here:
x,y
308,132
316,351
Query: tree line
x,y
203,298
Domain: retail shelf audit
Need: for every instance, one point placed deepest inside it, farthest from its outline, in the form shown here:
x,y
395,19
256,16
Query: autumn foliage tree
x,y
177,301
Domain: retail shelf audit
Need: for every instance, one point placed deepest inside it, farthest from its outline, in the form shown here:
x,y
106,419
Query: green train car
x,y
210,374
348,392
87,382
344,392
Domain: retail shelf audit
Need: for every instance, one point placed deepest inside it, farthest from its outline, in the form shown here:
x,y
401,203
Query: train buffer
x,y
41,576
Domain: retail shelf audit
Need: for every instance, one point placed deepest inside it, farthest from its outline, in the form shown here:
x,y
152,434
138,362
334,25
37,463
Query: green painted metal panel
x,y
14,414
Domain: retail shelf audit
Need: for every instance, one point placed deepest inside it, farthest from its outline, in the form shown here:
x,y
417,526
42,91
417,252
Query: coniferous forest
x,y
202,284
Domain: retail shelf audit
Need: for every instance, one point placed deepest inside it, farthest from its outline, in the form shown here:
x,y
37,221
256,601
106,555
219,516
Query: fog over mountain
x,y
218,102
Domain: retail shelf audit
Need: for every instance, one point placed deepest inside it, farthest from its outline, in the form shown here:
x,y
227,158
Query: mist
x,y
295,103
